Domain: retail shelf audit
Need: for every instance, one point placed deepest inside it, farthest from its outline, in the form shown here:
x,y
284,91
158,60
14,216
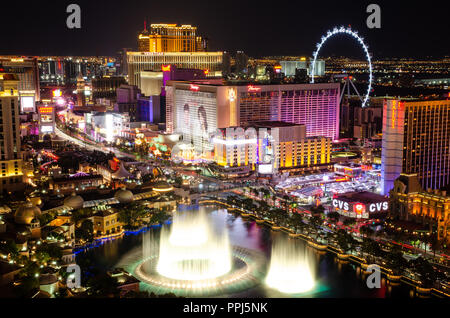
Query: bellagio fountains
x,y
194,257
291,269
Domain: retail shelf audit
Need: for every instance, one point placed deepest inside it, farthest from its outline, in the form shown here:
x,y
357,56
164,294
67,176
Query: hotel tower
x,y
10,146
416,140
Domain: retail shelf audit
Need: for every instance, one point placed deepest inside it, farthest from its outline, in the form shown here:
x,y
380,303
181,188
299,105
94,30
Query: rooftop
x,y
362,197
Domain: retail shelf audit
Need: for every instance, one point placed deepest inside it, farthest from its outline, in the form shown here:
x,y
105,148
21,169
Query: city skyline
x,y
106,27
224,150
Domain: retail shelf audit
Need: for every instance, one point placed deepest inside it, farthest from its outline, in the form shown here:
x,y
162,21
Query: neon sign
x,y
341,205
45,110
359,208
252,88
194,88
57,93
379,206
277,69
394,111
166,68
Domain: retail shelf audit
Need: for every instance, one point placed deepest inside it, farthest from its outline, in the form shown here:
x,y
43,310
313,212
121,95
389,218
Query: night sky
x,y
260,28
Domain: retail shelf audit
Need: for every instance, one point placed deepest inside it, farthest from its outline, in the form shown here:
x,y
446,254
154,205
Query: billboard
x,y
359,210
27,104
46,129
265,169
196,118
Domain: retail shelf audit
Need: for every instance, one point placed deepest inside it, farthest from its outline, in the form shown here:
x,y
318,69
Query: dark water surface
x,y
334,278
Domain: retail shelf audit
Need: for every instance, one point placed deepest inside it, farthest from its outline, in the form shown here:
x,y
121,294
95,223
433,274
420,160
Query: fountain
x,y
192,250
291,267
195,258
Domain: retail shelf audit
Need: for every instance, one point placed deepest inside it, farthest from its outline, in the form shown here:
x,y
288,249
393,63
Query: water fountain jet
x,y
291,267
195,258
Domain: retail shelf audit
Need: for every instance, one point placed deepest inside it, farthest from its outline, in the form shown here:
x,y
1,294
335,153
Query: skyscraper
x,y
416,140
139,62
10,147
164,37
27,71
314,105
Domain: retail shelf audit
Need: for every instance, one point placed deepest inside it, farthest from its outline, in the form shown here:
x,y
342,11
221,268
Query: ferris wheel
x,y
355,35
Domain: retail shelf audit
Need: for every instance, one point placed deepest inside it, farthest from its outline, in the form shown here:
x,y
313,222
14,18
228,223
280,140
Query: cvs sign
x,y
341,204
378,207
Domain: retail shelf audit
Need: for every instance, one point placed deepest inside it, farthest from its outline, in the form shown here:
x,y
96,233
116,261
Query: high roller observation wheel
x,y
355,35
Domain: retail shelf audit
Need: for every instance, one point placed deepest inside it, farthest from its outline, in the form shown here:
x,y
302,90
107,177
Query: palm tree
x,y
426,271
396,262
132,214
80,214
435,243
9,248
297,221
344,241
159,217
372,248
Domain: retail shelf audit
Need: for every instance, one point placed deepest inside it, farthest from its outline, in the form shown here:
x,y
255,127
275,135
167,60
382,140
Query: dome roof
x,y
26,213
74,201
47,279
162,186
124,196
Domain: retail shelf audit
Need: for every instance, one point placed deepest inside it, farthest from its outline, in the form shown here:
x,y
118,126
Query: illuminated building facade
x,y
314,105
350,170
10,146
408,201
106,222
281,145
139,62
152,82
171,38
107,126
361,205
26,69
46,120
127,100
106,86
416,139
